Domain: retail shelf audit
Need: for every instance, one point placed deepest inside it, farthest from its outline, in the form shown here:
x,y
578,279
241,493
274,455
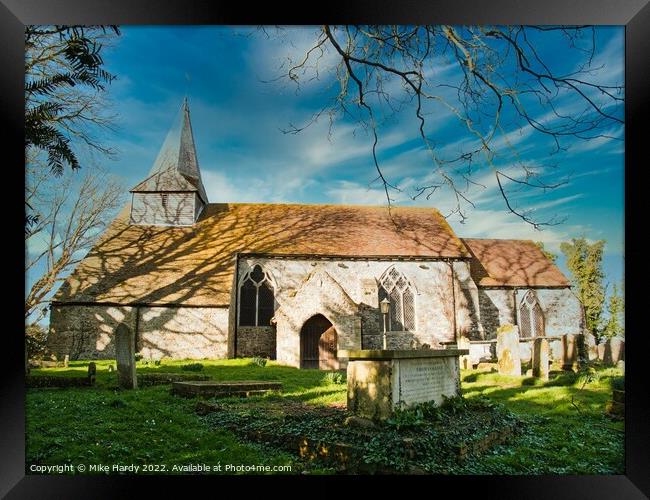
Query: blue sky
x,y
238,115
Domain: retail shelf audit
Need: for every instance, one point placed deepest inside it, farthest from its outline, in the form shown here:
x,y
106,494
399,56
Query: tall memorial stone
x,y
540,358
125,357
508,357
380,381
465,360
569,353
612,351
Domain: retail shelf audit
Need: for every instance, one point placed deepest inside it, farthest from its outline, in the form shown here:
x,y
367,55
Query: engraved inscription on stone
x,y
422,380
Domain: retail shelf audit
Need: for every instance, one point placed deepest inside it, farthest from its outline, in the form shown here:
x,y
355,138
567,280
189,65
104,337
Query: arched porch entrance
x,y
318,344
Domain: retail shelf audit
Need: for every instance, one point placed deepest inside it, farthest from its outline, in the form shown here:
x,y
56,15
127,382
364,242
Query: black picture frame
x,y
633,14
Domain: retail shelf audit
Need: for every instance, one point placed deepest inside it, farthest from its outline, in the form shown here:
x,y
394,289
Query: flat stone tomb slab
x,y
381,381
211,388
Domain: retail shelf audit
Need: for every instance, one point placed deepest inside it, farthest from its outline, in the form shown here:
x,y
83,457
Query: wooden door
x,y
318,340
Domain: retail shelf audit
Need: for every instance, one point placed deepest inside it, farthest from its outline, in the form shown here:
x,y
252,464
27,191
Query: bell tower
x,y
173,192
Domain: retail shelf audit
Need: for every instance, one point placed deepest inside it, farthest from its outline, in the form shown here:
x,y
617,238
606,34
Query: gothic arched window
x,y
256,299
531,317
395,287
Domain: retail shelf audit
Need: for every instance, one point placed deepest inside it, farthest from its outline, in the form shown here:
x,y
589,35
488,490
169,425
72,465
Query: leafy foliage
x,y
615,326
192,367
584,260
82,65
35,340
331,378
548,254
259,361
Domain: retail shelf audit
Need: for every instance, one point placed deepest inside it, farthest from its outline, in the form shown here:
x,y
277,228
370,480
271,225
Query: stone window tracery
x,y
399,291
256,299
531,316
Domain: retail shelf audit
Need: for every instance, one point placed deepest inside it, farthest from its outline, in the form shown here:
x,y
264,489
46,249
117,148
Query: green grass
x,y
567,433
103,424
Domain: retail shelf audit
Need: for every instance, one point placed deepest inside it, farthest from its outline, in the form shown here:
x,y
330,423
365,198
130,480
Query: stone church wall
x,y
359,280
561,308
256,341
86,332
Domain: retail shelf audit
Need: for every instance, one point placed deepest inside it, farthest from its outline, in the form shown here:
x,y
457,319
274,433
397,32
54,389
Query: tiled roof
x,y
515,263
195,265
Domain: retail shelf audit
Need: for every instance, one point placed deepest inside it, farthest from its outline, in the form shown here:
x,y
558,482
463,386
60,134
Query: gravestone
x,y
592,347
540,358
612,351
66,360
379,381
465,359
92,373
125,357
582,355
508,359
569,353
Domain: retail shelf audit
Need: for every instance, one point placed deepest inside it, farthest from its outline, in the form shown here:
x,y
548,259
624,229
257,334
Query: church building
x,y
198,279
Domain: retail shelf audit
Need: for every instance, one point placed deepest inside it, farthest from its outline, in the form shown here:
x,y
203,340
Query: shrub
x,y
192,367
35,340
333,378
138,357
259,361
618,383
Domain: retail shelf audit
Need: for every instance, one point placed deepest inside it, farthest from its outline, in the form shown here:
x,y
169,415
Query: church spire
x,y
176,168
177,156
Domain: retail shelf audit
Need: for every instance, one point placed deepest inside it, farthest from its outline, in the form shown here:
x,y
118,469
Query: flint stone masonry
x,y
125,357
345,291
224,389
560,306
256,341
509,361
381,381
541,358
87,332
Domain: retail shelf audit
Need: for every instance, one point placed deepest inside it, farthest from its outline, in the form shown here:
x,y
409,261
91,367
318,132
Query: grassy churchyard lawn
x,y
562,428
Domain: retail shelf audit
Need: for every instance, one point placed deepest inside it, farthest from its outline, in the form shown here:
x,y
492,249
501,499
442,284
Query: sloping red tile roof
x,y
517,263
195,265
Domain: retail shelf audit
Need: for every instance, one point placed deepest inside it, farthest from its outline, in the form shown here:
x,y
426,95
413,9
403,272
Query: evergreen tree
x,y
548,254
615,324
584,261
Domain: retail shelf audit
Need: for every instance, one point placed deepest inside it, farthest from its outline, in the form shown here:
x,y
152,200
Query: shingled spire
x,y
173,192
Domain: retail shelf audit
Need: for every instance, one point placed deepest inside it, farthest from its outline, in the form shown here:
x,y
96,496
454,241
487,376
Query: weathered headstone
x,y
125,357
509,361
617,349
540,358
92,373
582,356
569,353
465,360
592,347
66,360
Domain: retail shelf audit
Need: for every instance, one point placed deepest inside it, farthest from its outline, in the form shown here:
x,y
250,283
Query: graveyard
x,y
502,424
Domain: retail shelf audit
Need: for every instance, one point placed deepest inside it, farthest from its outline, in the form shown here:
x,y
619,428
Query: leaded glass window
x,y
531,316
256,299
398,290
